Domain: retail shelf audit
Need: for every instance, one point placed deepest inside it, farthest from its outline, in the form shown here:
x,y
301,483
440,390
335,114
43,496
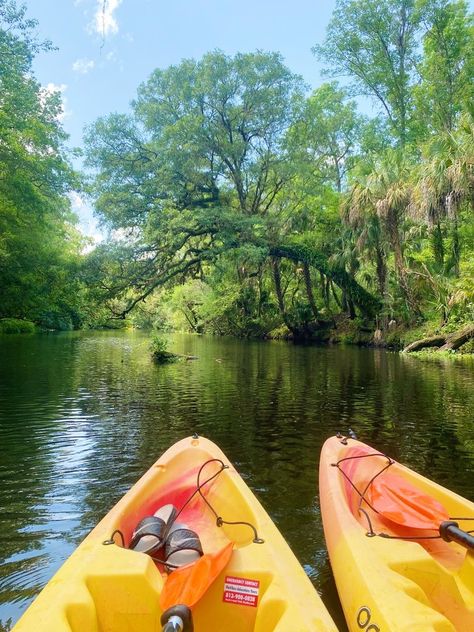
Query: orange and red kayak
x,y
400,545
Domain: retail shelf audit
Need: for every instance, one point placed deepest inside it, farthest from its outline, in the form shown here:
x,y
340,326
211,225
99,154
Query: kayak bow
x,y
388,532
106,587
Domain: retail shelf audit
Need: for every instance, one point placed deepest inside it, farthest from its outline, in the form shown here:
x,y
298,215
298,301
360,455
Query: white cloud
x,y
105,22
83,66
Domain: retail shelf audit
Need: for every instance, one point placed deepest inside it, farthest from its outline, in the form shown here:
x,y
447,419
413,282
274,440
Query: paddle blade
x,y
188,584
401,502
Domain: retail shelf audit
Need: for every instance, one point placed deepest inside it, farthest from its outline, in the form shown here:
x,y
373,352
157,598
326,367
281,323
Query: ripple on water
x,y
83,415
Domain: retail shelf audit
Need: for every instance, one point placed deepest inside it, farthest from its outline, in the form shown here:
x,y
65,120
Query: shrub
x,y
158,345
16,326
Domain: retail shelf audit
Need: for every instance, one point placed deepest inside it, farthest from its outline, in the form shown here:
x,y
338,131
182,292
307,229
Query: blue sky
x,y
100,63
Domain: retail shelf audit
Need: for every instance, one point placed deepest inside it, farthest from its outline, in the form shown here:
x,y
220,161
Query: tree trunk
x,y
438,246
433,341
368,304
322,287
327,294
400,267
444,343
456,340
351,308
456,247
336,297
381,270
309,291
279,292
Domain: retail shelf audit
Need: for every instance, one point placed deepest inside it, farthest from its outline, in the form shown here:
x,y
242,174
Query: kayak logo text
x,y
364,617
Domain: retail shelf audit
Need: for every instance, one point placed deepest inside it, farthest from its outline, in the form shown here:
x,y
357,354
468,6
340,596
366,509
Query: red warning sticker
x,y
241,590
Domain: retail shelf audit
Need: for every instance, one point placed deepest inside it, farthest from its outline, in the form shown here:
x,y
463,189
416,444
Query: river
x,y
83,415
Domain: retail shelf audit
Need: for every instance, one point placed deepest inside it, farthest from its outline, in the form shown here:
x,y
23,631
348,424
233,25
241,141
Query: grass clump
x,y
16,326
158,348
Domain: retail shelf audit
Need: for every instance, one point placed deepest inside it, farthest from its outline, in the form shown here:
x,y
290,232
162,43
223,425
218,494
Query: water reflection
x,y
82,415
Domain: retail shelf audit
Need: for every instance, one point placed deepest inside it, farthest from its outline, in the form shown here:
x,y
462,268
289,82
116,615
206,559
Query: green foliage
x,y
6,626
15,326
39,244
195,170
158,345
447,66
159,353
351,334
326,136
374,43
223,188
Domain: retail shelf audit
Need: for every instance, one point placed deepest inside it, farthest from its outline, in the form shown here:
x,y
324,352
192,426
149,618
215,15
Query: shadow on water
x,y
83,415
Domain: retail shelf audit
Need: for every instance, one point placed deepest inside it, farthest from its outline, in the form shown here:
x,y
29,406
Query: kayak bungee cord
x,y
371,533
111,539
448,529
219,520
199,485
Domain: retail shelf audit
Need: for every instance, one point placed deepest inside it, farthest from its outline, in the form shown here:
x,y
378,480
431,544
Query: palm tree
x,y
360,215
381,200
445,182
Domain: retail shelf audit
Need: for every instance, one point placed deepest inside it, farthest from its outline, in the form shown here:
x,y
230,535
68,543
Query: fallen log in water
x,y
444,343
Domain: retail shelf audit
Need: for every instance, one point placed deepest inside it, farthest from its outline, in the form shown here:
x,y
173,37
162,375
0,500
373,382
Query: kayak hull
x,y
107,587
387,583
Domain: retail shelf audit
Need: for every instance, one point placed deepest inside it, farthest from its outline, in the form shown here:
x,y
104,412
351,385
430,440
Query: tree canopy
x,y
236,201
39,245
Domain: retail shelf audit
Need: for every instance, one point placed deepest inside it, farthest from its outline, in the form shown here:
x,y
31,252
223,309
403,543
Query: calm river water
x,y
83,415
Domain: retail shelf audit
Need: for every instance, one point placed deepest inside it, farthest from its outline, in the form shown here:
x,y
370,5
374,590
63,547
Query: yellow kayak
x,y
188,531
400,545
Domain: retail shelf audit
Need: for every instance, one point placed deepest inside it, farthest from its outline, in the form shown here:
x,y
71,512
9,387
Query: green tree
x,y
199,169
39,245
326,136
197,166
444,187
374,42
383,198
447,66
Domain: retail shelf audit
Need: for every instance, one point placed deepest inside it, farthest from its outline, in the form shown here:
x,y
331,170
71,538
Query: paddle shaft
x,y
175,624
177,619
450,531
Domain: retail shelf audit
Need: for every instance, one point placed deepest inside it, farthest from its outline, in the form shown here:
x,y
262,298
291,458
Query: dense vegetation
x,y
40,247
237,204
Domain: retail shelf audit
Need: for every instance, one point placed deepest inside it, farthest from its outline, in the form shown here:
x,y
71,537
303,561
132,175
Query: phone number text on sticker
x,y
241,591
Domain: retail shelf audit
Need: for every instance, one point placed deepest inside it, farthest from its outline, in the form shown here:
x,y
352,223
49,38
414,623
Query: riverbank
x,y
342,331
432,339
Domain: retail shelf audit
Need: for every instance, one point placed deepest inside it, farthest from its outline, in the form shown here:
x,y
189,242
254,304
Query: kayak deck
x,y
107,587
408,579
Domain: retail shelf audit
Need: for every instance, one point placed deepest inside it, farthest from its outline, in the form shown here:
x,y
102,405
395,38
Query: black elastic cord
x,y
111,539
219,520
361,495
371,531
199,485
